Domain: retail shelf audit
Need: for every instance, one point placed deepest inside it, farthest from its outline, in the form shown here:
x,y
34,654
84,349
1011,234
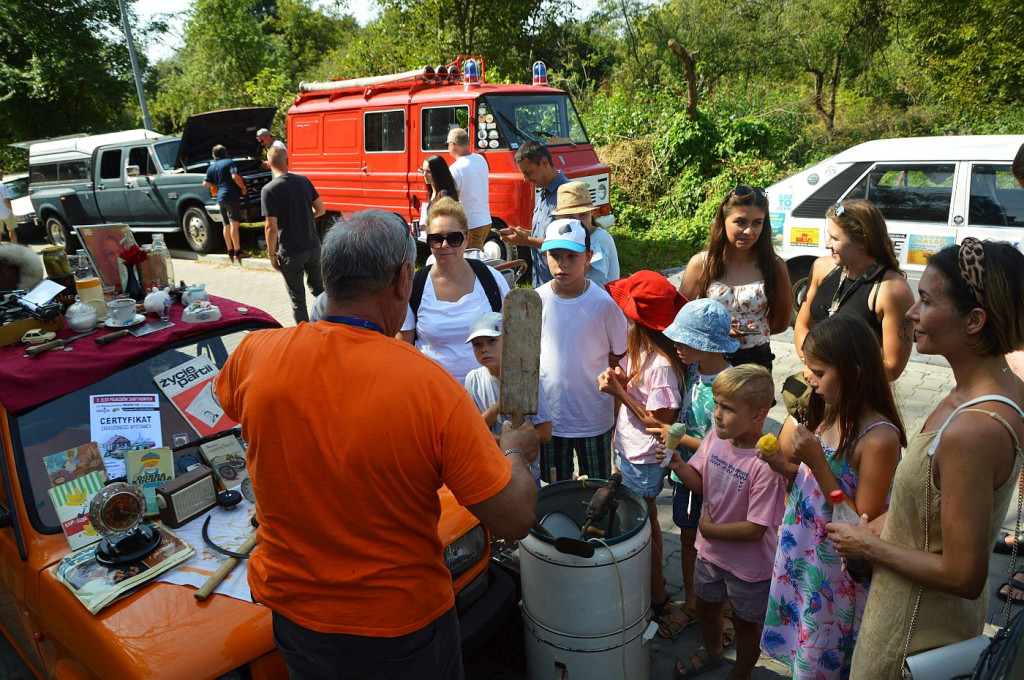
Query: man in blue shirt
x,y
534,160
223,176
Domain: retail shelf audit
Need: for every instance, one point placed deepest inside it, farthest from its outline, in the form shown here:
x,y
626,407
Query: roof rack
x,y
428,75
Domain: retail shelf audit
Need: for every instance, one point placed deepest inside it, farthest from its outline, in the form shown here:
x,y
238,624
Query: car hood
x,y
234,128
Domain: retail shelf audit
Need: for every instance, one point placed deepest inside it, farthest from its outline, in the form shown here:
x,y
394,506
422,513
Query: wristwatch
x,y
518,452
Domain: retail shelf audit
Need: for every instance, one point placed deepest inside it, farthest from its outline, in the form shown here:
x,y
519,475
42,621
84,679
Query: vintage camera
x,y
186,497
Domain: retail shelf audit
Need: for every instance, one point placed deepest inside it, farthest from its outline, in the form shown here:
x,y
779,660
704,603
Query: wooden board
x,y
520,353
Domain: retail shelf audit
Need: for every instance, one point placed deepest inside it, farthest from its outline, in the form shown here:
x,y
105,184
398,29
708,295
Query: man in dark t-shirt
x,y
290,204
223,176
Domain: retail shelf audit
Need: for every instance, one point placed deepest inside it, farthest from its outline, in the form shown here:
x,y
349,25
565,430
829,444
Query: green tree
x,y
64,70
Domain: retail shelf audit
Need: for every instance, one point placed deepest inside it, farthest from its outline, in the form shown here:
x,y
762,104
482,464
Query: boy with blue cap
x,y
484,383
583,332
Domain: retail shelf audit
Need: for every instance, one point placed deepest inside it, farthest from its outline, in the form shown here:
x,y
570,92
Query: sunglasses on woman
x,y
745,190
454,239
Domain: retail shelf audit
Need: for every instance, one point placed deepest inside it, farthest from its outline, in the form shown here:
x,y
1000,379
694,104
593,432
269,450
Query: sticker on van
x,y
899,242
923,246
778,219
805,236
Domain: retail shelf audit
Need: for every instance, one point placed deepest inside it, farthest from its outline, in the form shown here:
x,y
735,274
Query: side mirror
x,y
131,171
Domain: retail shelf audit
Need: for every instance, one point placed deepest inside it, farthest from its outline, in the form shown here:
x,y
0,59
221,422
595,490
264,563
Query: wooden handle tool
x,y
520,353
224,569
45,347
110,337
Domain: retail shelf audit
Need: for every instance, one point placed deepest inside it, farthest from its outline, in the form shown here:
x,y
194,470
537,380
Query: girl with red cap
x,y
649,389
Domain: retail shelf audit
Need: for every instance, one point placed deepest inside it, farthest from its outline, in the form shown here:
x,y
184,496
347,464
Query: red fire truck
x,y
362,141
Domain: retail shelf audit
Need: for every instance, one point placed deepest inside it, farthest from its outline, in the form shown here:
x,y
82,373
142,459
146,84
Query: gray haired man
x,y
335,412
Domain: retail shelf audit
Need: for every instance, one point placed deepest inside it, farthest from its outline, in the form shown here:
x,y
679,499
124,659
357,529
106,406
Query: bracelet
x,y
518,452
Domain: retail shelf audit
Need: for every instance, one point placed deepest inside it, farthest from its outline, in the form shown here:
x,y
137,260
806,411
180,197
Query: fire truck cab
x,y
362,142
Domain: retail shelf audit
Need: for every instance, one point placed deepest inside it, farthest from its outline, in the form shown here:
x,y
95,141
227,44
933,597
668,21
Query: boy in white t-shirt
x,y
583,332
484,383
738,527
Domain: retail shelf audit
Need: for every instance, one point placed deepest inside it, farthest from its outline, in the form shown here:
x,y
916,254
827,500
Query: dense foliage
x,y
776,85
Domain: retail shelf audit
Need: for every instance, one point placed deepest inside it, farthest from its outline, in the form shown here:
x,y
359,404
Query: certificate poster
x,y
189,386
122,423
923,246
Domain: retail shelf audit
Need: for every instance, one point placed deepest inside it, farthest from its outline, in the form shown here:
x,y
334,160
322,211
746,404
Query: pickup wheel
x,y
198,230
800,277
58,233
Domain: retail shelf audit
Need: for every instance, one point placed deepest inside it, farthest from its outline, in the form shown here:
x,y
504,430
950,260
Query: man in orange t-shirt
x,y
351,433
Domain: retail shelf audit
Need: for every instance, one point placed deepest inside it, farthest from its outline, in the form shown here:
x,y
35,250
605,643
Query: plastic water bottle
x,y
842,513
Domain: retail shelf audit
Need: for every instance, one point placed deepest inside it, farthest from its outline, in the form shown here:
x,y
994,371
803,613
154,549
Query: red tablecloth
x,y
27,382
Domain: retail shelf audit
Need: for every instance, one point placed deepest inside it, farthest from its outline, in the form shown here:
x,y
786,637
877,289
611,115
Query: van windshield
x,y
547,118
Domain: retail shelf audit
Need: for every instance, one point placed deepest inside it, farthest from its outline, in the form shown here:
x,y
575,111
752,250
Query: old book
x,y
149,469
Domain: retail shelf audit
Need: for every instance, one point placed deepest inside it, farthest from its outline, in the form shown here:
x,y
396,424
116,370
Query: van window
x,y
436,122
110,164
141,157
906,191
549,119
66,171
384,131
996,198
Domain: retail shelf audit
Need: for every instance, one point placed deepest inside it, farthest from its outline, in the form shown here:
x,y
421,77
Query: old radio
x,y
186,497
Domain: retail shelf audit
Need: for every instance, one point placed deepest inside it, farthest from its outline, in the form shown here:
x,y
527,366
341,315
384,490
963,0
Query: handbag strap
x,y
928,502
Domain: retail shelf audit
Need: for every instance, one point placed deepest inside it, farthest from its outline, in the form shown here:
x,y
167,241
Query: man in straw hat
x,y
574,202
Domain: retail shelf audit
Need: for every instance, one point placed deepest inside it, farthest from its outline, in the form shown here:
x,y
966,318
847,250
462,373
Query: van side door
x,y
995,204
386,162
110,186
916,200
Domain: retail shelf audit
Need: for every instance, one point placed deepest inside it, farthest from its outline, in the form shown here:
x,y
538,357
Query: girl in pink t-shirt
x,y
649,388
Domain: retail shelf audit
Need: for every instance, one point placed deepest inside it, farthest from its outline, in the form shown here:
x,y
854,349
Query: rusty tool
x,y
137,331
55,344
224,569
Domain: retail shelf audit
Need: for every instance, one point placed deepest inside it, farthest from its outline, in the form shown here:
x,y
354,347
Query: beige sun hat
x,y
573,199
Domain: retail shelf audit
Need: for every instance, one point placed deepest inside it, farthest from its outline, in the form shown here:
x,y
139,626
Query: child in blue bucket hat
x,y
700,332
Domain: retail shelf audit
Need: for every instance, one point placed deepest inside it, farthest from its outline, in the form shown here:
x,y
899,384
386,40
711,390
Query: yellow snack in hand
x,y
768,445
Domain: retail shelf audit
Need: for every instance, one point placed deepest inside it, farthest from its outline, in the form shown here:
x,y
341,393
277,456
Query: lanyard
x,y
355,321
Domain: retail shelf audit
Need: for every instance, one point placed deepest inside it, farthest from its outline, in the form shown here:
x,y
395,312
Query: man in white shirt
x,y
7,221
471,179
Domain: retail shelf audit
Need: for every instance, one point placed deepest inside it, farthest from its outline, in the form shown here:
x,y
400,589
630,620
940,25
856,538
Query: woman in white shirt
x,y
453,295
439,183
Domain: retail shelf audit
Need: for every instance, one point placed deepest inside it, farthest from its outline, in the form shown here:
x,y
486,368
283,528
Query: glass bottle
x,y
163,267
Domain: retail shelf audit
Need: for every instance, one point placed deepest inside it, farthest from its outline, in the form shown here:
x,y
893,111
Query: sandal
x,y
728,629
1014,590
691,670
1001,547
670,628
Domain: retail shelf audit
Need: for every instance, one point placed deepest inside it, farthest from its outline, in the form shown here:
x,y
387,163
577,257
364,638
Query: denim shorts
x,y
647,479
686,506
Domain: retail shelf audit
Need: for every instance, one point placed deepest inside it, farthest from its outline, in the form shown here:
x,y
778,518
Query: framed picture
x,y
104,242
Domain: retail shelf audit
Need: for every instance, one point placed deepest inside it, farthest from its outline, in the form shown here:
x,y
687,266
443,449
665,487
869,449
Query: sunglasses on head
x,y
838,209
746,190
454,239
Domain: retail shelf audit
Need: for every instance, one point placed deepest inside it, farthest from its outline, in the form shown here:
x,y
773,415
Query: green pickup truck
x,y
153,183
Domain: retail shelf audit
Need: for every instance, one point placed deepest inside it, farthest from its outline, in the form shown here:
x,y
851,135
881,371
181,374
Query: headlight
x,y
602,191
465,551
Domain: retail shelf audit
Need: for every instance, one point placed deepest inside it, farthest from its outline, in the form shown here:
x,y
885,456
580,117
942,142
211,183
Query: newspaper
x,y
97,585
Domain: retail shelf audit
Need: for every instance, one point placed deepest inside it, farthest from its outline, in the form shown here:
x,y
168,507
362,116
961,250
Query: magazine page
x,y
74,463
189,386
97,585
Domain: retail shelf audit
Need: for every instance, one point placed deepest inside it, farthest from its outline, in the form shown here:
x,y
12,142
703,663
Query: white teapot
x,y
194,294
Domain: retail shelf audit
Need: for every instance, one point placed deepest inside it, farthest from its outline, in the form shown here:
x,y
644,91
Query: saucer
x,y
109,323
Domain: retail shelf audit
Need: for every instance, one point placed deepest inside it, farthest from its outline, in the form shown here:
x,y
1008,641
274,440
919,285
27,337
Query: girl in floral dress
x,y
815,606
740,269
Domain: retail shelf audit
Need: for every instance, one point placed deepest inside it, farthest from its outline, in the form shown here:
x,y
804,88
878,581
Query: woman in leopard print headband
x,y
970,311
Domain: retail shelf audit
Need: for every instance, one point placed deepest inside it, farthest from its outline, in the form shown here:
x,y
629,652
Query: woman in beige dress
x,y
967,458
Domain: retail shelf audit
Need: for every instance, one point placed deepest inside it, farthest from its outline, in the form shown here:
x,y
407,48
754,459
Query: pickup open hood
x,y
234,128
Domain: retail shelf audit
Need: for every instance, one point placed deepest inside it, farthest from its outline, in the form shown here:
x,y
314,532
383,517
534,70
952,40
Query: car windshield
x,y
17,187
167,153
547,118
66,422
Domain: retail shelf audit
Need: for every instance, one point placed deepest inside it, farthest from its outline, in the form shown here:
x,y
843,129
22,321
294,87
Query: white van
x,y
933,192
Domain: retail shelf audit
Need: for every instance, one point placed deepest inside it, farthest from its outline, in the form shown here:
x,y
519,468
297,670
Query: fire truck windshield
x,y
547,118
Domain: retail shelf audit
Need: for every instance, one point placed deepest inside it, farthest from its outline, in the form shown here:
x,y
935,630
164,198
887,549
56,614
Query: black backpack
x,y
483,274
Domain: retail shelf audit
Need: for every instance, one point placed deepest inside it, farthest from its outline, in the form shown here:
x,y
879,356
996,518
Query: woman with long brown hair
x,y
740,269
851,441
862,277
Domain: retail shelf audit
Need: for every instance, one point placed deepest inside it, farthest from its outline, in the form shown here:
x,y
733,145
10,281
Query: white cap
x,y
567,234
487,325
